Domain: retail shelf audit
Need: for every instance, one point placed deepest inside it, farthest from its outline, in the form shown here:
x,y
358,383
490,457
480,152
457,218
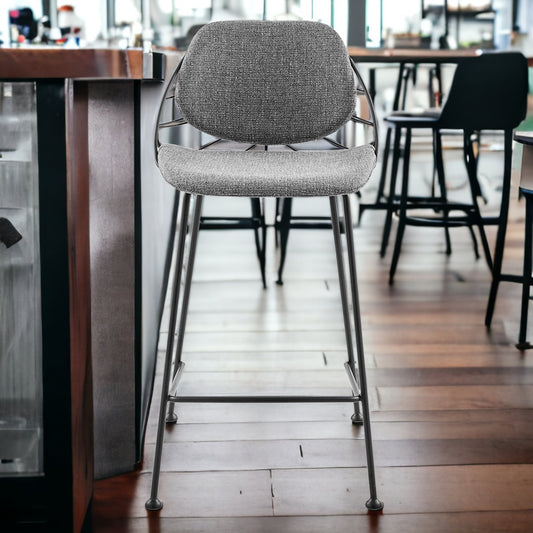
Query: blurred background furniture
x,y
480,99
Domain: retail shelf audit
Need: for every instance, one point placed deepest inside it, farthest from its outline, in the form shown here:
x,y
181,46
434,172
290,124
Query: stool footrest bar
x,y
264,399
514,278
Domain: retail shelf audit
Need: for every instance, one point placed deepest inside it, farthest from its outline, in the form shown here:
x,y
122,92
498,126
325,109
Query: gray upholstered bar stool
x,y
262,90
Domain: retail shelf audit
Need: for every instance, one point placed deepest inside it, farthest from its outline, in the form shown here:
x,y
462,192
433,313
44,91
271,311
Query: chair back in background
x,y
487,93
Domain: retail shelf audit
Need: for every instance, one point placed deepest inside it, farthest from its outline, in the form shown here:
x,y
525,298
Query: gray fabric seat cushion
x,y
266,173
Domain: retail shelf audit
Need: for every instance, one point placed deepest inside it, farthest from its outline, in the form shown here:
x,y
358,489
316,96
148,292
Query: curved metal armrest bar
x,y
373,122
169,92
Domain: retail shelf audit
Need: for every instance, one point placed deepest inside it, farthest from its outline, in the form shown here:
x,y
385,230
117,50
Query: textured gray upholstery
x,y
266,82
261,173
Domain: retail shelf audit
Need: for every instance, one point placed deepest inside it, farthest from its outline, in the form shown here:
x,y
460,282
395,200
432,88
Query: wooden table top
x,y
86,63
415,55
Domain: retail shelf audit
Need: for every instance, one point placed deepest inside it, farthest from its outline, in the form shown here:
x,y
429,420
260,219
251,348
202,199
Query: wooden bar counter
x,y
103,219
90,63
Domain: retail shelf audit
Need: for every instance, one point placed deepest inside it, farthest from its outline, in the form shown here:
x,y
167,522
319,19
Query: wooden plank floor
x,y
451,402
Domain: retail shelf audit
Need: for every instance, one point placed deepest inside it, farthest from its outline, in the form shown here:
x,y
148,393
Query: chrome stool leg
x,y
153,503
171,417
356,417
373,503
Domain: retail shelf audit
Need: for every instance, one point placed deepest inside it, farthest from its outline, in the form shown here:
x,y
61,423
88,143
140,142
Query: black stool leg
x,y
392,192
439,164
502,228
260,240
471,168
284,228
474,241
276,229
403,207
526,273
384,166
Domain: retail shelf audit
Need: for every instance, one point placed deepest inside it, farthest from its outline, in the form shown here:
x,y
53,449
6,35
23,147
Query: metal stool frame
x,y
185,250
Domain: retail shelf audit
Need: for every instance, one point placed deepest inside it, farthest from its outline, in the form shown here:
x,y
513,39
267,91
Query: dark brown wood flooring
x,y
452,403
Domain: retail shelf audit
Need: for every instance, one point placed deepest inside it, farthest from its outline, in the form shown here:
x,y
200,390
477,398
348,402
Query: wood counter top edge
x,y
77,63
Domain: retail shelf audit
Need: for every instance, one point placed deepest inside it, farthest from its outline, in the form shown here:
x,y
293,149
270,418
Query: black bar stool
x,y
487,93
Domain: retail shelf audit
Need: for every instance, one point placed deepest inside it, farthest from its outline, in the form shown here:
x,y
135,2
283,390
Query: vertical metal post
x,y
403,204
373,502
171,415
145,15
526,273
52,12
470,160
391,199
439,164
502,228
356,417
153,503
283,227
110,15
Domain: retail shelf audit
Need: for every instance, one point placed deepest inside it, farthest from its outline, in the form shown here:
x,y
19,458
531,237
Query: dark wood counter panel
x,y
104,228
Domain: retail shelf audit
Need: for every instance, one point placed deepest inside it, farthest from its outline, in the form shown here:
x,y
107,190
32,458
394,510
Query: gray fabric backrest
x,y
266,82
